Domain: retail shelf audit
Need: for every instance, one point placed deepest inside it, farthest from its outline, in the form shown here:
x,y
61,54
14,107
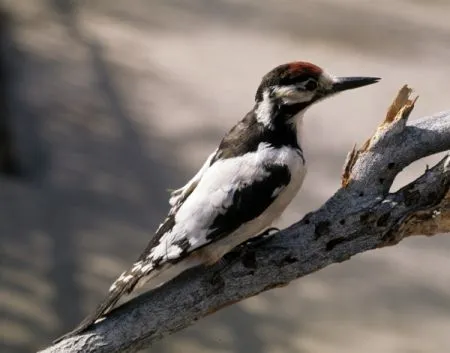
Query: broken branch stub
x,y
394,122
362,215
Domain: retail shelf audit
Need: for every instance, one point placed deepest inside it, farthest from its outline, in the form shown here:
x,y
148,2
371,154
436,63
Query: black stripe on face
x,y
288,74
250,201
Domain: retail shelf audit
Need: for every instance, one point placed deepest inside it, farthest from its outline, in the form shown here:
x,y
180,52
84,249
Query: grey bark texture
x,y
362,215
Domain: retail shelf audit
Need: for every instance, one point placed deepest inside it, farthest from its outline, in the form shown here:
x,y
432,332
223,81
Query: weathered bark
x,y
362,215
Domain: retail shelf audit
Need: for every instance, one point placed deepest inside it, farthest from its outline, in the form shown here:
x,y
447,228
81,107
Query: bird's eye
x,y
311,85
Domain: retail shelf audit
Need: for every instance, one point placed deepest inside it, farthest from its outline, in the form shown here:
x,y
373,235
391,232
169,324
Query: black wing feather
x,y
250,201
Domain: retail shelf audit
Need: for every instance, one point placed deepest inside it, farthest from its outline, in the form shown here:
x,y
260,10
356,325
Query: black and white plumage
x,y
243,186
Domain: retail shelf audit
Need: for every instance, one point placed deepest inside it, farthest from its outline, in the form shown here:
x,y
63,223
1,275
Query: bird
x,y
242,188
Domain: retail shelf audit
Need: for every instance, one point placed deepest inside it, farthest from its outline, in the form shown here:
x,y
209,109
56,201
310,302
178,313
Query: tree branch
x,y
361,216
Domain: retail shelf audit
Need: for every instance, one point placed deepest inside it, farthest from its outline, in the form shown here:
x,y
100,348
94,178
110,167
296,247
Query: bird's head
x,y
292,88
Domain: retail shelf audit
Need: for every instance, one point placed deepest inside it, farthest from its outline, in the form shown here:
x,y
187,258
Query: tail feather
x,y
119,288
142,271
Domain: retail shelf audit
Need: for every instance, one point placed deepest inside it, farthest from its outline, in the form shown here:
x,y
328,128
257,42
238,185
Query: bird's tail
x,y
122,286
142,271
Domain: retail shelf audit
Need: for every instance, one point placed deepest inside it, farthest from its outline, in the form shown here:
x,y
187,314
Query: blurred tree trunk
x,y
8,162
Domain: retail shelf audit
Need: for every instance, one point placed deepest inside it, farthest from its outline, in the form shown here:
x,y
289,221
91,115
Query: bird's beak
x,y
344,83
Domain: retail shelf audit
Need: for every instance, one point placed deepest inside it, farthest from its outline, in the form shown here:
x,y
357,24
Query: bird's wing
x,y
126,282
179,195
230,193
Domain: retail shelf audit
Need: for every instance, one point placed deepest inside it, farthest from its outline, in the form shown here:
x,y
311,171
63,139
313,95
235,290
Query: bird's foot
x,y
261,238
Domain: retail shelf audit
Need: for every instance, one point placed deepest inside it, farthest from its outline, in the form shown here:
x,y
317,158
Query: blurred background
x,y
104,105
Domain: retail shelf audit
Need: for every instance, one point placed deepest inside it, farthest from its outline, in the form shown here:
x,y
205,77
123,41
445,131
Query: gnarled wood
x,y
361,216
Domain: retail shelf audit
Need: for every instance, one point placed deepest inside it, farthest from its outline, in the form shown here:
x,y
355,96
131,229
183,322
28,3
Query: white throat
x,y
297,122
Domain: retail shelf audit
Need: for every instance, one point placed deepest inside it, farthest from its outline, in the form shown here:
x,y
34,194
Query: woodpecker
x,y
242,187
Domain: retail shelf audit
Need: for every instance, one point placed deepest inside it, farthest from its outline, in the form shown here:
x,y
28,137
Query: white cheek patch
x,y
326,81
291,94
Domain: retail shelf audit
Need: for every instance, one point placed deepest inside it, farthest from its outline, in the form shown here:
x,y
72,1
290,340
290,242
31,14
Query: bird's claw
x,y
261,238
